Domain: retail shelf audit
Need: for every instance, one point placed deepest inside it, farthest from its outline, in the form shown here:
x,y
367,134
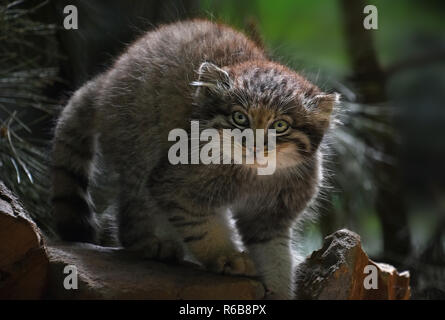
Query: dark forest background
x,y
387,160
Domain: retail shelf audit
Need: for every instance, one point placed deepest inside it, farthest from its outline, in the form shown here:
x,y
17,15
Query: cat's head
x,y
265,95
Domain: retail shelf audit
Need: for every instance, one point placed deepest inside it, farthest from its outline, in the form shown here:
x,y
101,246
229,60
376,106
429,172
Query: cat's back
x,y
189,43
172,53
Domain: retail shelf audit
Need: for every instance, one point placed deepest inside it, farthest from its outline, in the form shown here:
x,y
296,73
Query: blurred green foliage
x,y
309,33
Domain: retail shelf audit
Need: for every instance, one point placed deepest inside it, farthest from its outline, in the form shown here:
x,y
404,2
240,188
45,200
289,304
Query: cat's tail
x,y
72,161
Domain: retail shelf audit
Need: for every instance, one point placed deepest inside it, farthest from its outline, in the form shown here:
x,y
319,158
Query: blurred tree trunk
x,y
370,82
105,28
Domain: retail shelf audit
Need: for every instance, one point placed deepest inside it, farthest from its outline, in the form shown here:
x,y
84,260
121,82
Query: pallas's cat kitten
x,y
208,72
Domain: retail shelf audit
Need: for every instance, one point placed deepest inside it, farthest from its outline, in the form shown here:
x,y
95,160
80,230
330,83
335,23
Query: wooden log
x,y
112,273
23,260
31,270
338,271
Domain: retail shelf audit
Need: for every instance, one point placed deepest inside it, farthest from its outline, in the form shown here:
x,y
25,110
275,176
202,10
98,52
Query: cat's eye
x,y
280,126
240,119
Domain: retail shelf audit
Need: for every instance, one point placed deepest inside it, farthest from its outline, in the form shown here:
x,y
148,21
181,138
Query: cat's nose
x,y
256,147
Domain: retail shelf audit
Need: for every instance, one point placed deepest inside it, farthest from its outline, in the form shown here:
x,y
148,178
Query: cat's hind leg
x,y
143,228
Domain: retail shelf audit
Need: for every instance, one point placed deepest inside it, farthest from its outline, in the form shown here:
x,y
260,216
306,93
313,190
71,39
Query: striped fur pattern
x,y
192,70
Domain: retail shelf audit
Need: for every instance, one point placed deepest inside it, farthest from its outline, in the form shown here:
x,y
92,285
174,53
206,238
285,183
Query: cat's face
x,y
265,96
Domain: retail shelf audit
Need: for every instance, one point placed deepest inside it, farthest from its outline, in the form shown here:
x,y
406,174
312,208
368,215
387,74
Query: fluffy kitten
x,y
193,70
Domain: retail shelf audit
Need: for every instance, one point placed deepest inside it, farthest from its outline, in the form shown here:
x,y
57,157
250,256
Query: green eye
x,y
240,119
280,126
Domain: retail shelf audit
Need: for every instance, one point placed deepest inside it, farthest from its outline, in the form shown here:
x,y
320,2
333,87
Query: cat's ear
x,y
322,106
212,79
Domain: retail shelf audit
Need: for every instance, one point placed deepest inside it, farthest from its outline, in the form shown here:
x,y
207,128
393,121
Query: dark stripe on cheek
x,y
301,146
315,141
314,134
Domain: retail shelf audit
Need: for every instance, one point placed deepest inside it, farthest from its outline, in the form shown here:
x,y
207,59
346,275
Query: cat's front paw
x,y
235,263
